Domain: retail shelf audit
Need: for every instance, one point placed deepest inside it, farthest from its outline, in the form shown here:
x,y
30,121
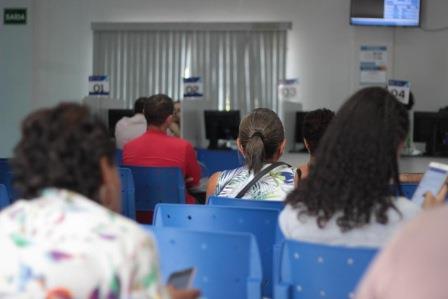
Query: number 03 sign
x,y
400,89
99,85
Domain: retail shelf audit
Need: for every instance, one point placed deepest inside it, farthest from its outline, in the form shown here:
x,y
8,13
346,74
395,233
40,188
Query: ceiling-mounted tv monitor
x,y
404,13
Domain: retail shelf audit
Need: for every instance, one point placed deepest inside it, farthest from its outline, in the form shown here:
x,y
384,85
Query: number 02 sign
x,y
400,89
193,87
99,85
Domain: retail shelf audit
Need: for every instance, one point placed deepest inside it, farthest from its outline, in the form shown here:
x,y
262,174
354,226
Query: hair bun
x,y
258,134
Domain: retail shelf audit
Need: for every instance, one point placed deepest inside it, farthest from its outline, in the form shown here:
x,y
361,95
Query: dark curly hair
x,y
355,162
61,147
314,125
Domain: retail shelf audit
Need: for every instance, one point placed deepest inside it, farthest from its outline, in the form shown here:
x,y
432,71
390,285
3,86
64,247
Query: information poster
x,y
373,64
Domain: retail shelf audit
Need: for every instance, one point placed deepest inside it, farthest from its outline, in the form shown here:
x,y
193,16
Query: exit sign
x,y
14,16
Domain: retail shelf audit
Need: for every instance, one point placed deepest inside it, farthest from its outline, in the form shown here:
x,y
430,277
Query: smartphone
x,y
182,279
432,181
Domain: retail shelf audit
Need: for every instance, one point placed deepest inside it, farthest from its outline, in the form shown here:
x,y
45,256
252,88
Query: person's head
x,y
314,125
159,110
356,161
176,114
66,147
139,105
261,138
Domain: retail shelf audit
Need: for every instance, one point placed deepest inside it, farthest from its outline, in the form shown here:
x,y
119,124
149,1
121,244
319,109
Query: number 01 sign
x,y
98,85
400,89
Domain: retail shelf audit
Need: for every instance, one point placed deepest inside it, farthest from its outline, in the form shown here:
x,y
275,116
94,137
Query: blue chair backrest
x,y
155,185
248,203
127,193
6,177
118,157
4,198
227,264
218,160
408,189
262,223
309,271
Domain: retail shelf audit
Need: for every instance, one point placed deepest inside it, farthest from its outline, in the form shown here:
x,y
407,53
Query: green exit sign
x,y
14,16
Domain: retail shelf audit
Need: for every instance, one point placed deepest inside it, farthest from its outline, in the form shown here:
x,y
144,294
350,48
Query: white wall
x,y
15,75
322,47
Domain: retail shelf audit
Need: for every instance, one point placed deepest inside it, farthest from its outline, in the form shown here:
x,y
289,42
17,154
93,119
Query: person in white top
x,y
129,128
349,197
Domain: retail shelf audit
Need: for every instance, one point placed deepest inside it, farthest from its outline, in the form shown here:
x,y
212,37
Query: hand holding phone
x,y
433,180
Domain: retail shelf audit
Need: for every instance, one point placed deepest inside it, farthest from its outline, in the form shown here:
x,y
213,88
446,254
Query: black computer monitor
x,y
114,115
432,128
221,125
298,135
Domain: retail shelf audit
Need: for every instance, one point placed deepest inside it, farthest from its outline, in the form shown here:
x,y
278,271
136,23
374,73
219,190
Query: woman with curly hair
x,y
64,240
346,199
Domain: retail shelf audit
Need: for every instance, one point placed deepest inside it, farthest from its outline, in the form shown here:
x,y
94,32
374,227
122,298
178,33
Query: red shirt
x,y
155,148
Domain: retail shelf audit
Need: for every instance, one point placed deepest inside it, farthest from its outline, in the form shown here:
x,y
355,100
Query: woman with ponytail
x,y
261,140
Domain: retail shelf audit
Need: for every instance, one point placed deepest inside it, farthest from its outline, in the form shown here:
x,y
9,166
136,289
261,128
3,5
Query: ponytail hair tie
x,y
258,134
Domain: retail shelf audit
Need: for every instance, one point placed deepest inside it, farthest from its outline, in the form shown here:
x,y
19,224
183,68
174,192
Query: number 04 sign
x,y
400,89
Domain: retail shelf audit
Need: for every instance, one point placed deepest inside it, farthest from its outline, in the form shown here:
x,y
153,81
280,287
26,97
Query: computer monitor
x,y
221,125
114,115
432,128
298,131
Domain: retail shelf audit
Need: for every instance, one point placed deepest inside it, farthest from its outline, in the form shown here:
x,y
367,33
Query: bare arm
x,y
211,185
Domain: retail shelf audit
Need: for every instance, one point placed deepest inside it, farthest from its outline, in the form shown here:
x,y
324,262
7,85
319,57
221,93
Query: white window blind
x,y
240,63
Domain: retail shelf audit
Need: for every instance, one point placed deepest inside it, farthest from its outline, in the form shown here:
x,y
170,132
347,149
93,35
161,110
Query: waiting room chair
x,y
218,160
118,157
4,198
408,189
310,271
155,185
262,223
127,193
227,264
6,177
248,203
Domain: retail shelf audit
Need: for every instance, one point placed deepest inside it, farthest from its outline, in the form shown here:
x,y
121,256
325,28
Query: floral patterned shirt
x,y
275,185
64,246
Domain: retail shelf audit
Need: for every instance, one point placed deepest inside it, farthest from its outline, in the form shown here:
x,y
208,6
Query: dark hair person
x,y
314,125
65,236
346,199
261,140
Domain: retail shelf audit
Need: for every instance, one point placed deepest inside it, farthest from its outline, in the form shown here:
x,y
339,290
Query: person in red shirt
x,y
155,148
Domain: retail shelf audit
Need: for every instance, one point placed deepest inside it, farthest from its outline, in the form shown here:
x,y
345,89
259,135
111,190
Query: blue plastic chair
x,y
127,193
6,177
227,264
118,157
247,203
218,160
155,185
408,189
4,198
309,271
262,223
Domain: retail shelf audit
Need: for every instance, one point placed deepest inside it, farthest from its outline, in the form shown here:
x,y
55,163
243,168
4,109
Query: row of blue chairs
x,y
298,270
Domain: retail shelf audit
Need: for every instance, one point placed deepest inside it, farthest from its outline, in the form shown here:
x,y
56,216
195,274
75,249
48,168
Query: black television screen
x,y
114,115
405,13
222,125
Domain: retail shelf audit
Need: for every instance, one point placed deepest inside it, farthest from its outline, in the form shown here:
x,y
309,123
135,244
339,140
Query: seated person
x,y
155,148
129,128
414,264
314,125
64,240
261,140
346,198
